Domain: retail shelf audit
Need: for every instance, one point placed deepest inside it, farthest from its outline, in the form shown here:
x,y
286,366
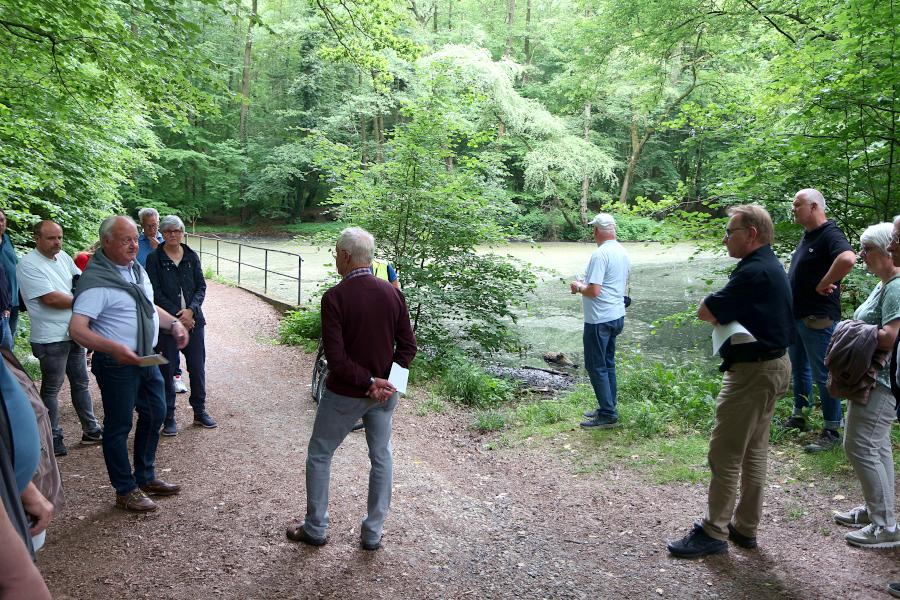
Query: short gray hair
x,y
171,222
107,225
359,244
147,212
878,236
813,197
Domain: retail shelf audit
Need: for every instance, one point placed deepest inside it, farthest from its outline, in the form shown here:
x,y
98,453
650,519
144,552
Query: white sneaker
x,y
874,536
180,388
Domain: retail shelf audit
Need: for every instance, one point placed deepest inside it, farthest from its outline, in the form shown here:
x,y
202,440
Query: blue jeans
x,y
600,362
195,362
58,360
335,417
6,336
808,363
125,389
14,317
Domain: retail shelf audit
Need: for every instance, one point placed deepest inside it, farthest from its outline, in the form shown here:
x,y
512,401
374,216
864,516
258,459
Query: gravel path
x,y
466,522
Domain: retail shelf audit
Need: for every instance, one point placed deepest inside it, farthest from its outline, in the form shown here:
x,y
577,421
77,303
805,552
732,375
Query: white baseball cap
x,y
603,221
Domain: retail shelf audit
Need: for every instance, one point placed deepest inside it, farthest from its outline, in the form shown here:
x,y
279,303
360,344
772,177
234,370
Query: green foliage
x,y
487,421
301,328
22,348
466,383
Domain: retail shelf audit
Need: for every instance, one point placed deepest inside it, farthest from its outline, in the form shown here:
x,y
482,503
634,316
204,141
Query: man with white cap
x,y
603,298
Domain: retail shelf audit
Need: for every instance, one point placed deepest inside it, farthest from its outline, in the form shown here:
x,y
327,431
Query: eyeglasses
x,y
895,239
128,241
730,232
172,231
864,250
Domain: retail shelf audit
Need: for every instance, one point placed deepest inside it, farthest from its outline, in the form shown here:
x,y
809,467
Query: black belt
x,y
735,355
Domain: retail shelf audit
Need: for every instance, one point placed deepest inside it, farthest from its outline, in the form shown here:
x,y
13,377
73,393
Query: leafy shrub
x,y
467,383
301,328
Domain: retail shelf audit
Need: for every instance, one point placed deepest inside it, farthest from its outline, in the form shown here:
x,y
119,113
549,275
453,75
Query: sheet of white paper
x,y
152,360
723,332
398,377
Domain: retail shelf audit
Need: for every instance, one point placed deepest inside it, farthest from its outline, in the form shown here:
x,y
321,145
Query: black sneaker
x,y
59,447
591,414
92,437
202,419
894,589
170,428
600,423
744,541
827,440
795,422
696,544
371,546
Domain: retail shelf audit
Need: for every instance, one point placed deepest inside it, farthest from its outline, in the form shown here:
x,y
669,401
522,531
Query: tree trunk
x,y
510,19
435,16
379,137
245,80
363,142
586,182
637,146
526,45
449,15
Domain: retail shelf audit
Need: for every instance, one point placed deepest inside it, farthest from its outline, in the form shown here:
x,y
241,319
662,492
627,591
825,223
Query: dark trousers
x,y
125,389
194,361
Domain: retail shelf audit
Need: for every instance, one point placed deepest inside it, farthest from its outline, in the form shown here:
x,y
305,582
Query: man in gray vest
x,y
114,315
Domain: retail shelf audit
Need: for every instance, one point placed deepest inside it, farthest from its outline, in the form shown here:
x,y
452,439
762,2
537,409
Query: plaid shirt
x,y
358,273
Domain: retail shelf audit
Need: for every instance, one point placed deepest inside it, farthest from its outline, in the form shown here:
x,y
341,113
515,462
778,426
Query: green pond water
x,y
665,279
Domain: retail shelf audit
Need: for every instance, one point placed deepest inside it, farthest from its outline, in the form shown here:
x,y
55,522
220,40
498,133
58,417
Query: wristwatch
x,y
371,381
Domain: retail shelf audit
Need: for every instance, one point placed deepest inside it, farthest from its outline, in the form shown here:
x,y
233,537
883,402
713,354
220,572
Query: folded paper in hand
x,y
398,377
152,360
721,333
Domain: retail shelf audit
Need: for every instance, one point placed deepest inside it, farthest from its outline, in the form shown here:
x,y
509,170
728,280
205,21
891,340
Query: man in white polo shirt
x,y
45,281
603,298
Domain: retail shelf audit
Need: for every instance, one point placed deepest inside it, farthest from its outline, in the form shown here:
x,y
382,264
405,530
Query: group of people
x,y
792,323
128,309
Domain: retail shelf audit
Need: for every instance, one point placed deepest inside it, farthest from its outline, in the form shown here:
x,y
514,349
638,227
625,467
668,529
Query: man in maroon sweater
x,y
365,327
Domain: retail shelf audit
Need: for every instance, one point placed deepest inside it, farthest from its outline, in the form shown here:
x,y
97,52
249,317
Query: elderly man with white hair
x,y
822,258
603,298
365,328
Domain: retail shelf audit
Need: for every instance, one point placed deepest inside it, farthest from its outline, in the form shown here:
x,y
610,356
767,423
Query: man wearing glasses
x,y
821,260
756,373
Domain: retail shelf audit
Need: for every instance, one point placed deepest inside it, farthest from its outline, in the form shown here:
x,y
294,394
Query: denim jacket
x,y
168,280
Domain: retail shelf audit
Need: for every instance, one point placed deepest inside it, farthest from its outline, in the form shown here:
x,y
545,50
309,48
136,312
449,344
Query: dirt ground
x,y
466,522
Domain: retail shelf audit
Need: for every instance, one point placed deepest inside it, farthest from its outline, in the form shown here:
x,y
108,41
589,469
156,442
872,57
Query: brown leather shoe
x,y
135,501
158,487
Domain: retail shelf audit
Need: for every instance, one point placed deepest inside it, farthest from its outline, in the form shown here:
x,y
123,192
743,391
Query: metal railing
x,y
236,253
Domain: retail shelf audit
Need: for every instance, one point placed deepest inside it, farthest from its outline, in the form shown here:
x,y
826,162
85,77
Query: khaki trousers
x,y
738,448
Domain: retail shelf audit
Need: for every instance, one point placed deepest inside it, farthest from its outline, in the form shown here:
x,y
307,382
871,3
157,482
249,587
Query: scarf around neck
x,y
102,272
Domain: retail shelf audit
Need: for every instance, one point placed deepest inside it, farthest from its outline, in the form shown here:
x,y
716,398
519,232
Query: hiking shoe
x,y
371,546
178,383
696,544
92,437
59,447
135,501
855,517
600,423
795,422
591,414
170,429
744,541
874,536
202,419
828,439
894,589
297,533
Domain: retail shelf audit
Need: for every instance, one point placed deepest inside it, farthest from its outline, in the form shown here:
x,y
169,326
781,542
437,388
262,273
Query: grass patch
x,y
301,328
466,383
489,420
431,405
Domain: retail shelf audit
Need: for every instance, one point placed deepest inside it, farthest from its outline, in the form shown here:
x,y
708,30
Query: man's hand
x,y
39,508
825,288
575,287
153,242
186,316
179,332
125,355
381,390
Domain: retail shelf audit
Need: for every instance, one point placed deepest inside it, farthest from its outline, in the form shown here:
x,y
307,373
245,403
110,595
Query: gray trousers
x,y
867,444
58,360
335,417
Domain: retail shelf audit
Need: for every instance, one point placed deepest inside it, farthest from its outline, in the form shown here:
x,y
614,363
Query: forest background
x,y
443,124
